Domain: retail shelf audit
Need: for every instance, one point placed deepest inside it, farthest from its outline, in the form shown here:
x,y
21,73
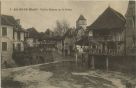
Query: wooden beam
x,y
92,62
107,63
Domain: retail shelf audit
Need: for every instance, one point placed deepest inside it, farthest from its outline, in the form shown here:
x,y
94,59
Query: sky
x,y
42,14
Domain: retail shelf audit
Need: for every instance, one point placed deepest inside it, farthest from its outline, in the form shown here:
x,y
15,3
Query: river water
x,y
65,74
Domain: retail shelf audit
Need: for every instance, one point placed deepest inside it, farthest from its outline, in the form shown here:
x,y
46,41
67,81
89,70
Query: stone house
x,y
19,38
9,39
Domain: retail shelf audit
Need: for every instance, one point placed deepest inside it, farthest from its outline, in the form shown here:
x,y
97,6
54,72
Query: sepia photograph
x,y
68,43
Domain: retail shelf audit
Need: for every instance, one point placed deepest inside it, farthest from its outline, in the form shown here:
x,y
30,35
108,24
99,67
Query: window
x,y
4,46
4,31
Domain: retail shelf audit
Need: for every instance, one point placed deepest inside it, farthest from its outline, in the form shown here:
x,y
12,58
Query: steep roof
x,y
109,19
8,20
81,17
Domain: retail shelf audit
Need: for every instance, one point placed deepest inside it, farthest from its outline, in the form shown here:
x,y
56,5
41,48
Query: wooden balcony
x,y
111,52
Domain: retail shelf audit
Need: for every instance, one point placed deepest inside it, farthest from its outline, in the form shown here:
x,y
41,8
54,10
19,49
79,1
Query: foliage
x,y
61,27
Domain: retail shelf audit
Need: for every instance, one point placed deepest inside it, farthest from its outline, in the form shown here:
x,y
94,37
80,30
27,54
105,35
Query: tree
x,y
61,27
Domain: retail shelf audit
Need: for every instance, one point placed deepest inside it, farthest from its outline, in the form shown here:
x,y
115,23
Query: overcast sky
x,y
43,19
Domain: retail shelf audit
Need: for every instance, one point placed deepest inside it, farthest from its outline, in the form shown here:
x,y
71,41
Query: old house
x,y
130,27
108,35
108,31
11,39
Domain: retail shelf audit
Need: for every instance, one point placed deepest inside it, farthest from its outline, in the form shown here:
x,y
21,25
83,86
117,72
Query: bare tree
x,y
61,27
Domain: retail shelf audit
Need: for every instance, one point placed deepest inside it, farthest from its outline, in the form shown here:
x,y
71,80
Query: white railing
x,y
105,52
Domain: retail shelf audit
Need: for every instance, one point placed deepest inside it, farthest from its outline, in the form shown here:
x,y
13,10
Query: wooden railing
x,y
113,52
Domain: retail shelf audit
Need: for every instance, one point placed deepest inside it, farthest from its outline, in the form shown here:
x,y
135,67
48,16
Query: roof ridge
x,y
108,16
118,14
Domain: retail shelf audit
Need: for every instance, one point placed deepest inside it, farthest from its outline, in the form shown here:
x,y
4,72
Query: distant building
x,y
11,38
130,25
51,44
19,37
32,38
81,24
69,40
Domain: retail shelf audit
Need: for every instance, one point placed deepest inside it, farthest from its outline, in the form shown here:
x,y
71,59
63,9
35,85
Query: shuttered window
x,y
4,31
4,46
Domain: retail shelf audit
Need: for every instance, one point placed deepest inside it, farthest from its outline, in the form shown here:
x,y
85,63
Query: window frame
x,y
6,46
4,34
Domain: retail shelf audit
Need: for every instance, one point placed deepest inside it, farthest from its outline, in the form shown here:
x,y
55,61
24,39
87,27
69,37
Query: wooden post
x,y
76,58
107,63
92,62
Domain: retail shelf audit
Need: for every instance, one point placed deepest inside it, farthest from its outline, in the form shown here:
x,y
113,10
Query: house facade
x,y
19,38
108,33
8,39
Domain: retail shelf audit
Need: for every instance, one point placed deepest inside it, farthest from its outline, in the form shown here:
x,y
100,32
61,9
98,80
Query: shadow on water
x,y
10,83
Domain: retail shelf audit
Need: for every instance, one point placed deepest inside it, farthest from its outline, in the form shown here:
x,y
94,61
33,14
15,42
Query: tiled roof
x,y
8,20
11,21
109,19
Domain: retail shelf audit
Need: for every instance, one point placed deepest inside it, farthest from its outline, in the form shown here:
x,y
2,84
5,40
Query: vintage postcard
x,y
68,43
